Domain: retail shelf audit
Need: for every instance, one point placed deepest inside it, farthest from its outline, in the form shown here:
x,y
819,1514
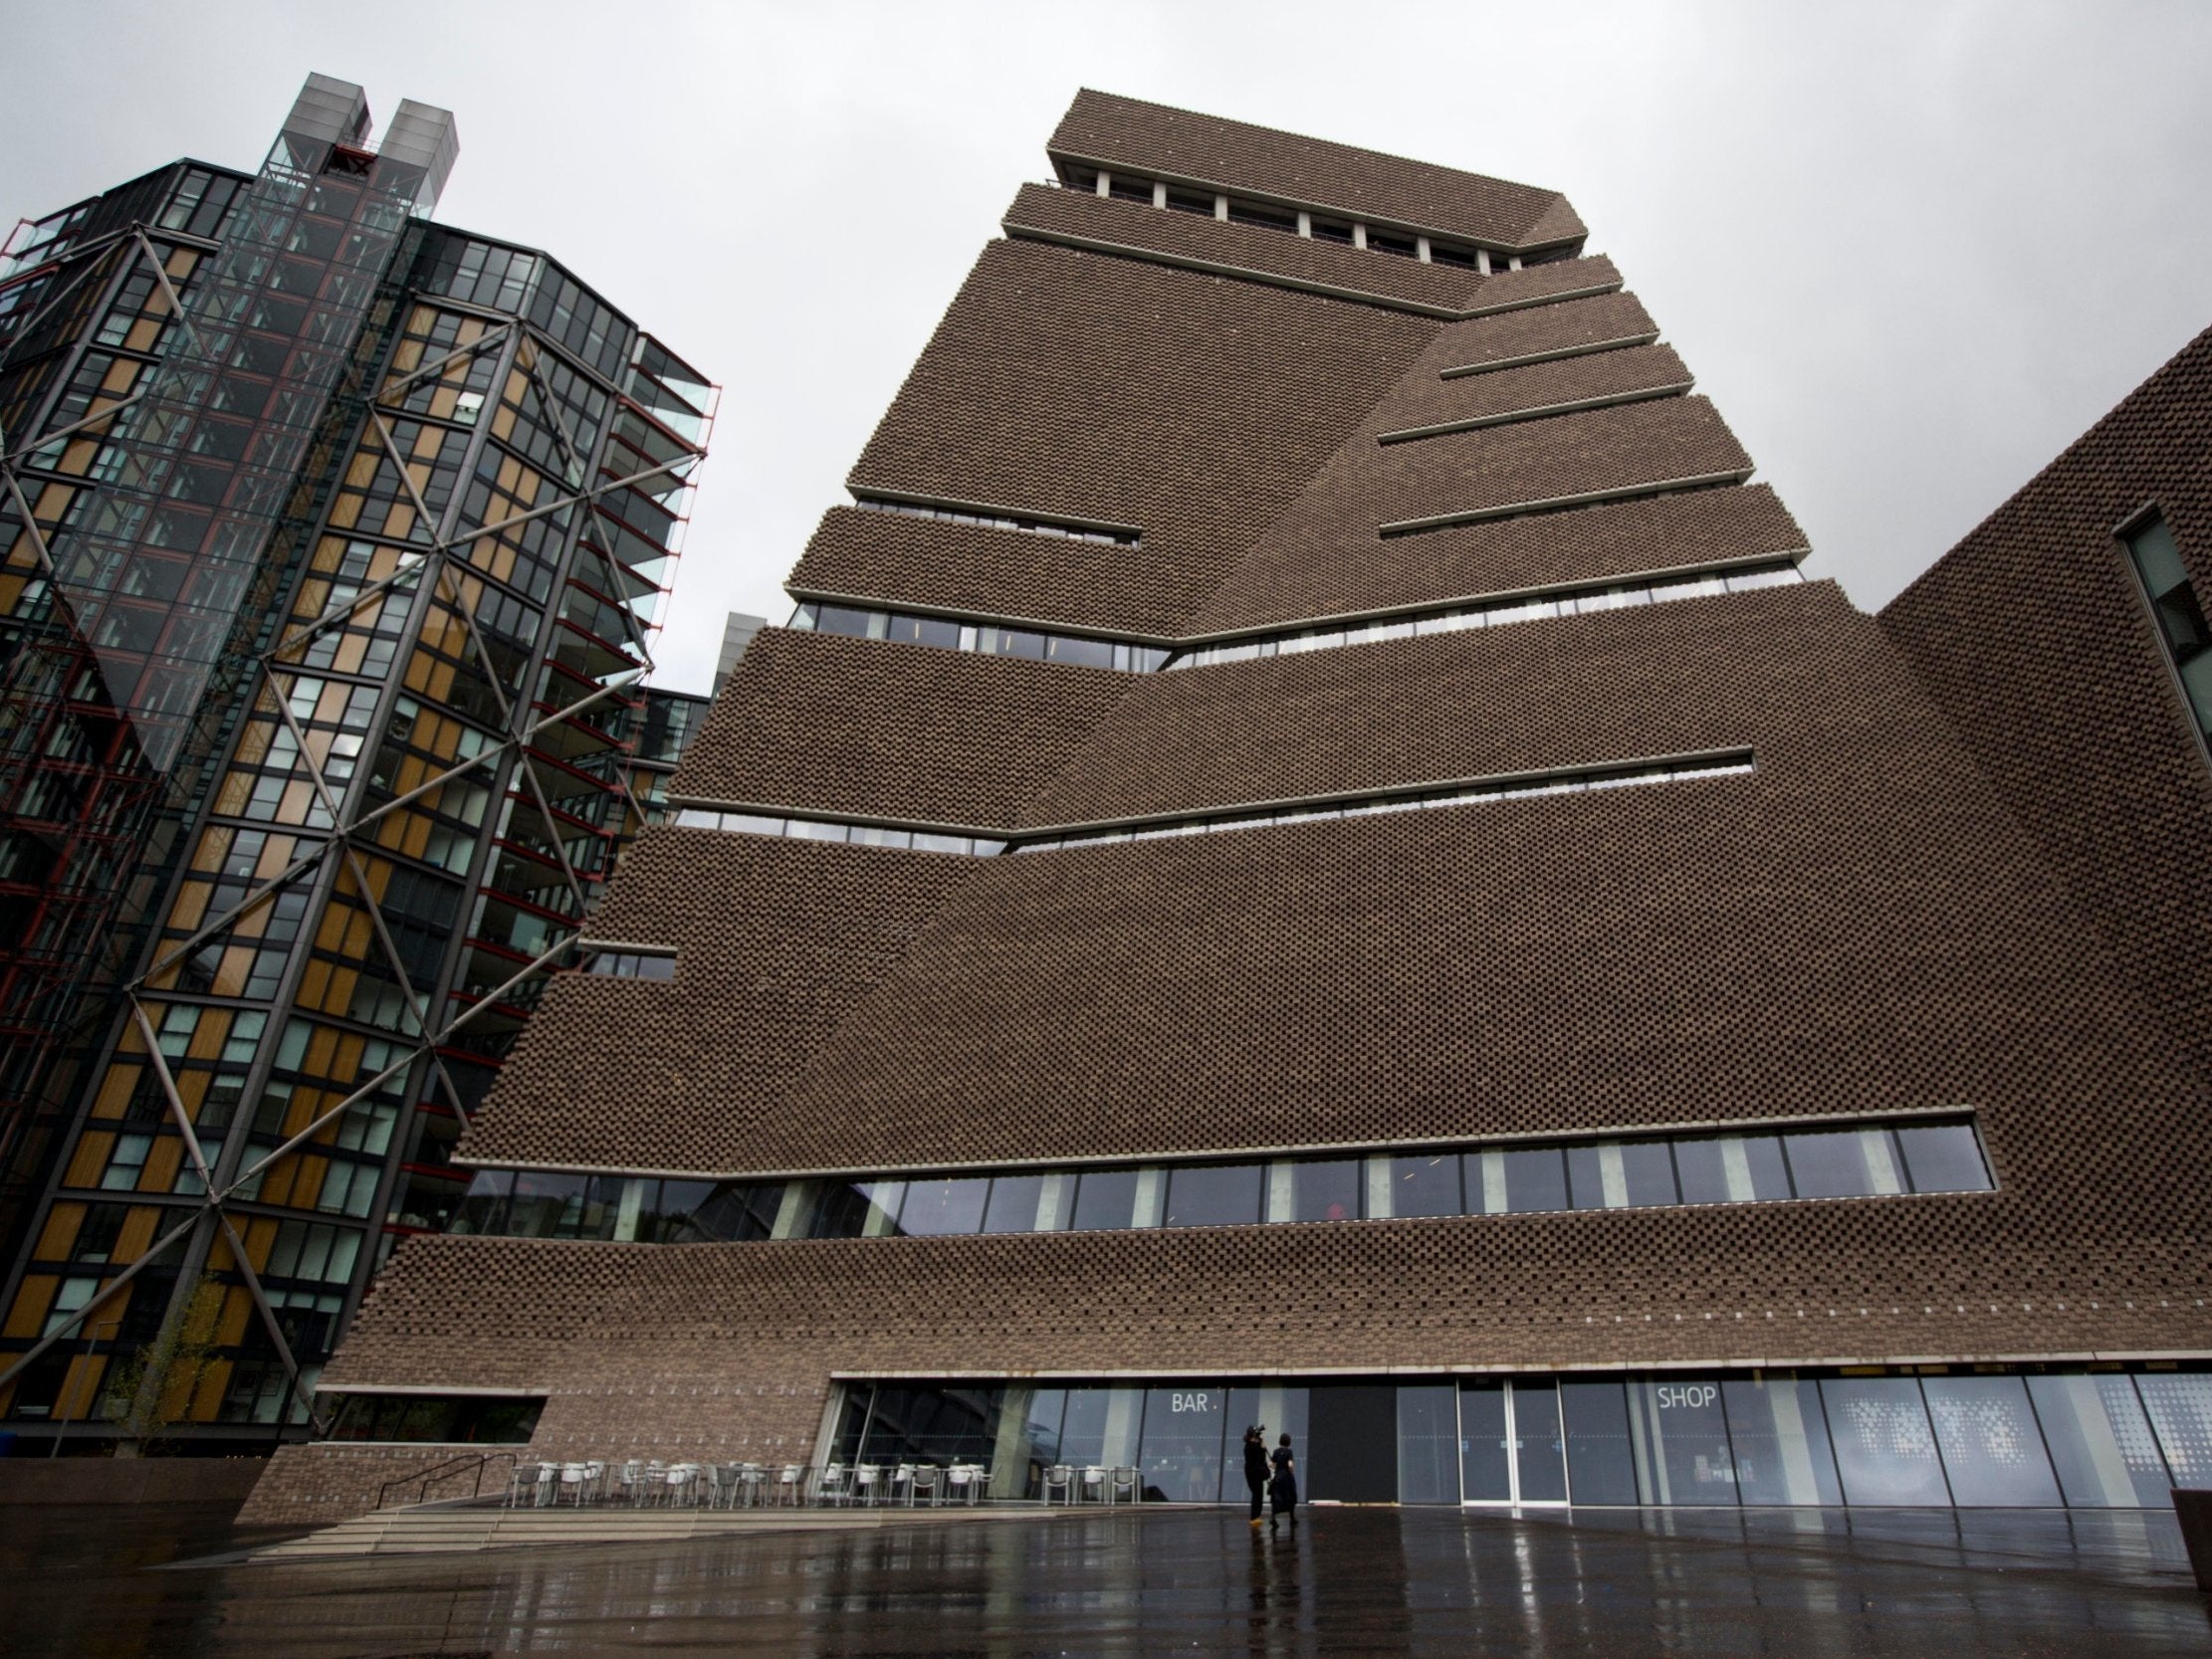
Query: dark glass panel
x,y
1013,1204
1943,1157
937,1424
1326,1189
484,1208
548,1205
1213,1195
1648,1170
1601,1458
1428,1450
1540,1450
935,1208
1084,653
1105,1199
1731,1169
1486,1469
851,1209
1830,1164
1535,1179
843,619
1425,1184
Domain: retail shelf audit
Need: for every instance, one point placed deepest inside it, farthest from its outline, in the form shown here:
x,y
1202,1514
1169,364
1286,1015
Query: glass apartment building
x,y
333,541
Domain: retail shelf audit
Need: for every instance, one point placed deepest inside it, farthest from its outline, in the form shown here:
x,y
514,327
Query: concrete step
x,y
468,1526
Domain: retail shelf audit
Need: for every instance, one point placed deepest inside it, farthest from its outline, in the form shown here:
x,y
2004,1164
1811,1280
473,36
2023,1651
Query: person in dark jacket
x,y
1255,1466
1284,1487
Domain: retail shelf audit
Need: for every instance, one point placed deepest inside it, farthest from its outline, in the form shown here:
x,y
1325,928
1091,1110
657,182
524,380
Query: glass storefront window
x,y
2180,1408
1100,1426
1028,1441
1275,1408
1780,1441
1601,1460
1485,1463
1539,1449
1180,1456
2100,1442
1885,1448
1428,1444
1992,1449
933,1423
1680,1431
1982,1440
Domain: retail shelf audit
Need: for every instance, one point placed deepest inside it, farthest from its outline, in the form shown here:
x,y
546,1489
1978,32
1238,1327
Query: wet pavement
x,y
85,1581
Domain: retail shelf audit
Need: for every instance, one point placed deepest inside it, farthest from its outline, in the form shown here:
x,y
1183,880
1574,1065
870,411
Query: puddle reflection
x,y
1819,1584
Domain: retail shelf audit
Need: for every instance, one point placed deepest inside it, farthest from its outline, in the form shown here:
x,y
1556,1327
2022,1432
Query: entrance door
x,y
1511,1450
1354,1456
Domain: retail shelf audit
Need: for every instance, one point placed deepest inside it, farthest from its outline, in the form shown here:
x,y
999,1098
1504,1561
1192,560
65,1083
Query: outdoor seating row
x,y
651,1483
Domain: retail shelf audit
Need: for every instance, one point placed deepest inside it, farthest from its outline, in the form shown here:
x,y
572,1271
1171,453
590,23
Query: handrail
x,y
422,1478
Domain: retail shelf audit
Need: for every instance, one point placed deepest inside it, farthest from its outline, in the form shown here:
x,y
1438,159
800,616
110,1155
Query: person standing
x,y
1255,1466
1283,1489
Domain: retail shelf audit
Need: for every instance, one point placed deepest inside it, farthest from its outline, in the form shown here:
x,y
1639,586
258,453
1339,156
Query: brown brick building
x,y
1308,856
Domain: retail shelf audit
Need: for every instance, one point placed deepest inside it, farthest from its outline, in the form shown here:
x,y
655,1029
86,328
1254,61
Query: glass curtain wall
x,y
1967,1440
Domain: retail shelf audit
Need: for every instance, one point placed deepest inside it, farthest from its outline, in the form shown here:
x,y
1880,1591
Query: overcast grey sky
x,y
1910,250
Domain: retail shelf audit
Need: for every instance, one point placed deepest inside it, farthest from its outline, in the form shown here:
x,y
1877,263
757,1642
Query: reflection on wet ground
x,y
1798,1582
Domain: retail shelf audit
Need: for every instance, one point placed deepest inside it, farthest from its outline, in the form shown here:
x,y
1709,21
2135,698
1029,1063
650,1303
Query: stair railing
x,y
420,1480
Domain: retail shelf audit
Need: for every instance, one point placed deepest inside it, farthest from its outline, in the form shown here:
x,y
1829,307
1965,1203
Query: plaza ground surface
x,y
91,1581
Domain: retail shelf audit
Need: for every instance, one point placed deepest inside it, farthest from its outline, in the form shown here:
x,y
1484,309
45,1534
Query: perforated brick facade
x,y
1908,903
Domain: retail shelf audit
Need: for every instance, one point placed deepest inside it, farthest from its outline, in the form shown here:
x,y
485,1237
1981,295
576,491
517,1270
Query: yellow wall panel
x,y
60,1232
89,1159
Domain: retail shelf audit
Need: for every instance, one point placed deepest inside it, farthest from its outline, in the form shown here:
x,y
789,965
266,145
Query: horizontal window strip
x,y
903,837
1566,781
1541,412
1563,504
964,513
992,637
1316,221
988,639
1564,600
1529,359
635,962
969,842
1934,1152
